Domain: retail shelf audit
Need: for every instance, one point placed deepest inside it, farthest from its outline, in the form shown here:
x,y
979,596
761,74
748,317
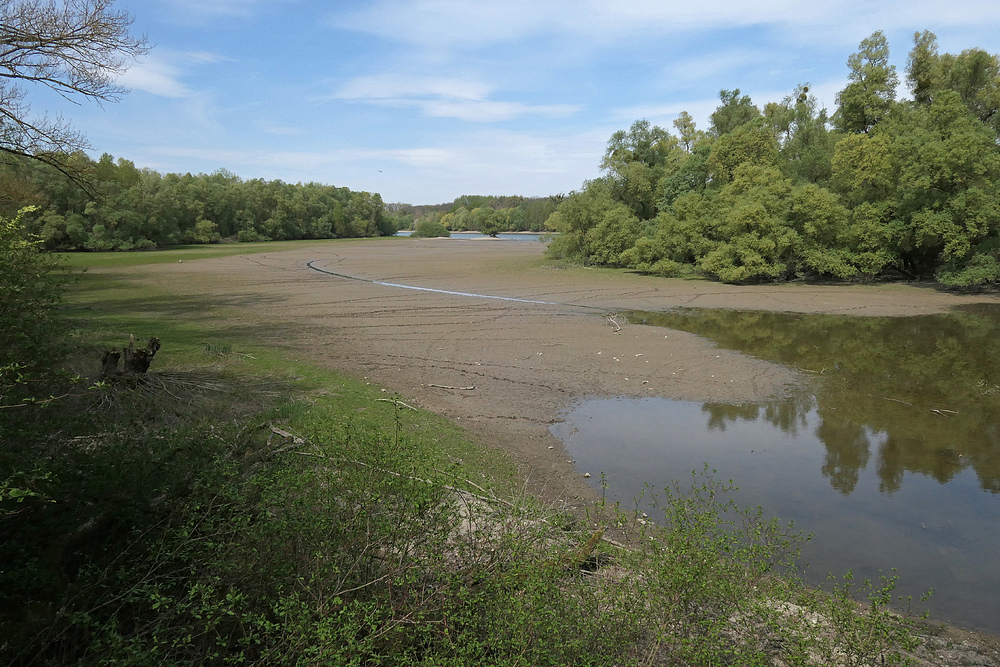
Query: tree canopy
x,y
880,187
127,208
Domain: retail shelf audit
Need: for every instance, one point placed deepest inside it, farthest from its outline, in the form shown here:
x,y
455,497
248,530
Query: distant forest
x,y
882,187
121,207
483,213
112,205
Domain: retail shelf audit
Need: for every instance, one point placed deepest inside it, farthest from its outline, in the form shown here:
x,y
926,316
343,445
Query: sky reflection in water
x,y
892,459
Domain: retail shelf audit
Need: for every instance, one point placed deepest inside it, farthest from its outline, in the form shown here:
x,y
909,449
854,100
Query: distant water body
x,y
476,236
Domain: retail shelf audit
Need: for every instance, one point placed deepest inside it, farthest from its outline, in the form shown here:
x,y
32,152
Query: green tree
x,y
806,154
949,192
493,221
636,160
687,131
973,74
735,110
693,175
871,92
923,71
615,232
576,216
752,143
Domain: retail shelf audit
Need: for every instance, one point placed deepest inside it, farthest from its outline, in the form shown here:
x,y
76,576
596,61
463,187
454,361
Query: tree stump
x,y
137,361
109,363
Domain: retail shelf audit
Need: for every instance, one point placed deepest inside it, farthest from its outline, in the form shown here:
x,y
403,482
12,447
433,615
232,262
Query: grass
x,y
240,506
107,307
187,253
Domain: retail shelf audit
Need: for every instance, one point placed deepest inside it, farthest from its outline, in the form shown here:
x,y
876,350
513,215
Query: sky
x,y
426,100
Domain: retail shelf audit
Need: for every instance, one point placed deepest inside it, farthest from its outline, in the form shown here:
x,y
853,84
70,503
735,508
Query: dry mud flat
x,y
504,369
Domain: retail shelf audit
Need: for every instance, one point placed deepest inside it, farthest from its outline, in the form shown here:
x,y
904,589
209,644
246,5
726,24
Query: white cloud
x,y
438,97
155,76
713,65
275,129
439,22
160,73
395,86
475,22
481,162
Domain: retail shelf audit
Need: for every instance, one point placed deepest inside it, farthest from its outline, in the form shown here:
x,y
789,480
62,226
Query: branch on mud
x,y
617,320
396,402
444,386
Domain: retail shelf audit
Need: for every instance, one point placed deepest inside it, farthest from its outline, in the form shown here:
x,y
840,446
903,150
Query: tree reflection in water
x,y
922,392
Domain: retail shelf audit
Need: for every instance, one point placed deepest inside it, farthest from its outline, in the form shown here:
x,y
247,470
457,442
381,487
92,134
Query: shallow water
x,y
891,458
476,236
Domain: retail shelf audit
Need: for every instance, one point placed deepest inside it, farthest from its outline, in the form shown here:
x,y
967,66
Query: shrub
x,y
427,229
29,288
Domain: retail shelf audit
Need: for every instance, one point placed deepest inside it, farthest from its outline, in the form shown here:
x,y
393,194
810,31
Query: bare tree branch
x,y
76,48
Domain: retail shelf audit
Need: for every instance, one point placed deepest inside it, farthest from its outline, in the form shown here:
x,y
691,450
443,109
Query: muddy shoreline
x,y
527,361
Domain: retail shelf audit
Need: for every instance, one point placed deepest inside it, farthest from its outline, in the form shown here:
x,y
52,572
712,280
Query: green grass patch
x,y
105,308
187,253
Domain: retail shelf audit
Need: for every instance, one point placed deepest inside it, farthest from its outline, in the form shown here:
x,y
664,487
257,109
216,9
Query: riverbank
x,y
524,362
503,369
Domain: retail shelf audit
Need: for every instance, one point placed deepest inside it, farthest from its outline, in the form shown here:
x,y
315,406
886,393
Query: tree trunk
x,y
137,361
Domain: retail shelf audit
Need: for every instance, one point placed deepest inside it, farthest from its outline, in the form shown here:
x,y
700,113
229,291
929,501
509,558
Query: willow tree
x,y
871,92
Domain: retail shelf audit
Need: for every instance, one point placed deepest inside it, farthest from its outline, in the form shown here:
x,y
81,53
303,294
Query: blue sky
x,y
426,100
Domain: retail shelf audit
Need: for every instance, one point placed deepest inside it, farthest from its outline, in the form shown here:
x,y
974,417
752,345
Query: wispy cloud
x,y
201,9
485,162
156,76
162,72
474,23
462,99
276,129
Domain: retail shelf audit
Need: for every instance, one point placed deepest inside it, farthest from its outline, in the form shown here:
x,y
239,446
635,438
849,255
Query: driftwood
x,y
137,360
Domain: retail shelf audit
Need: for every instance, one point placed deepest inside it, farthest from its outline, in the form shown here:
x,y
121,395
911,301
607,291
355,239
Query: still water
x,y
476,236
891,458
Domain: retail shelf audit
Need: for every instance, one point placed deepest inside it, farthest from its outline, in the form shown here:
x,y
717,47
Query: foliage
x,y
735,111
29,288
897,188
183,538
752,143
137,209
487,214
757,227
869,96
430,229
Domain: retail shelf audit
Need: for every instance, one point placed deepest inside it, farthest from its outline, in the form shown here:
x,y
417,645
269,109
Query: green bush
x,y
428,229
29,288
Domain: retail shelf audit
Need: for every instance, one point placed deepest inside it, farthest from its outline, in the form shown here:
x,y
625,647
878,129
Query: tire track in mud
x,y
311,265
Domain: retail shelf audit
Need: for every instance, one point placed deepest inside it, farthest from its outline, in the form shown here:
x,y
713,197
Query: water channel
x,y
503,236
890,458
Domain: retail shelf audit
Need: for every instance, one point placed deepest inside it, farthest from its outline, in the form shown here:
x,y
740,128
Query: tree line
x,y
882,187
488,214
121,207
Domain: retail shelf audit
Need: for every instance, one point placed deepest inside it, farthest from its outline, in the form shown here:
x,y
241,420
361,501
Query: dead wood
x,y
137,361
